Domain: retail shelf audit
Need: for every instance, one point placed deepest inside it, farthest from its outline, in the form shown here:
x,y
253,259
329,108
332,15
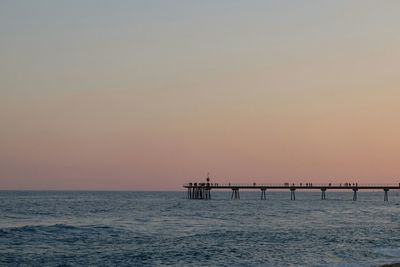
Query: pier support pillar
x,y
355,194
199,192
292,194
207,193
323,190
263,193
208,189
235,193
386,197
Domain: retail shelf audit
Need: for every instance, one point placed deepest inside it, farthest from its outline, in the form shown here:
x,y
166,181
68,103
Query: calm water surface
x,y
164,228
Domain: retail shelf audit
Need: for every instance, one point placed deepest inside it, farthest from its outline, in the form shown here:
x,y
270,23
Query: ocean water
x,y
164,228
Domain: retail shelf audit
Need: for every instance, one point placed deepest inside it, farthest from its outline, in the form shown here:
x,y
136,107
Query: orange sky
x,y
147,96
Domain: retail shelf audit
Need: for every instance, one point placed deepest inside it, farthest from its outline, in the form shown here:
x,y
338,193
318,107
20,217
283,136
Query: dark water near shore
x,y
164,228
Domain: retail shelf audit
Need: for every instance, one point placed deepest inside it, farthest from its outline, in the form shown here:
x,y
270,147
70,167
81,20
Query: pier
x,y
203,190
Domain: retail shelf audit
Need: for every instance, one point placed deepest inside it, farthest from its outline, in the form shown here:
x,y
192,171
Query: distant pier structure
x,y
203,190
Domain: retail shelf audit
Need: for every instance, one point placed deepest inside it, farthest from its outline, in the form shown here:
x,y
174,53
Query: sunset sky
x,y
147,95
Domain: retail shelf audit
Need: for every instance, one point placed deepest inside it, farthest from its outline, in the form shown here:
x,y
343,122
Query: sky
x,y
148,95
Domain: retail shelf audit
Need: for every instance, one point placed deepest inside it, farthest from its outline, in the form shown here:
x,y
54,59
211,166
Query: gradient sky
x,y
147,95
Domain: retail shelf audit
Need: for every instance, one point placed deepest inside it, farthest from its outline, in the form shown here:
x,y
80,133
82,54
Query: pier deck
x,y
203,190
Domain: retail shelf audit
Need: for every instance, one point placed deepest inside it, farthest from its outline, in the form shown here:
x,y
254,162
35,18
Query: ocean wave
x,y
31,228
51,228
392,252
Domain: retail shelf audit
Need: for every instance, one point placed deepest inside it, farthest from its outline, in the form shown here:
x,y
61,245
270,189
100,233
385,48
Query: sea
x,y
78,228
